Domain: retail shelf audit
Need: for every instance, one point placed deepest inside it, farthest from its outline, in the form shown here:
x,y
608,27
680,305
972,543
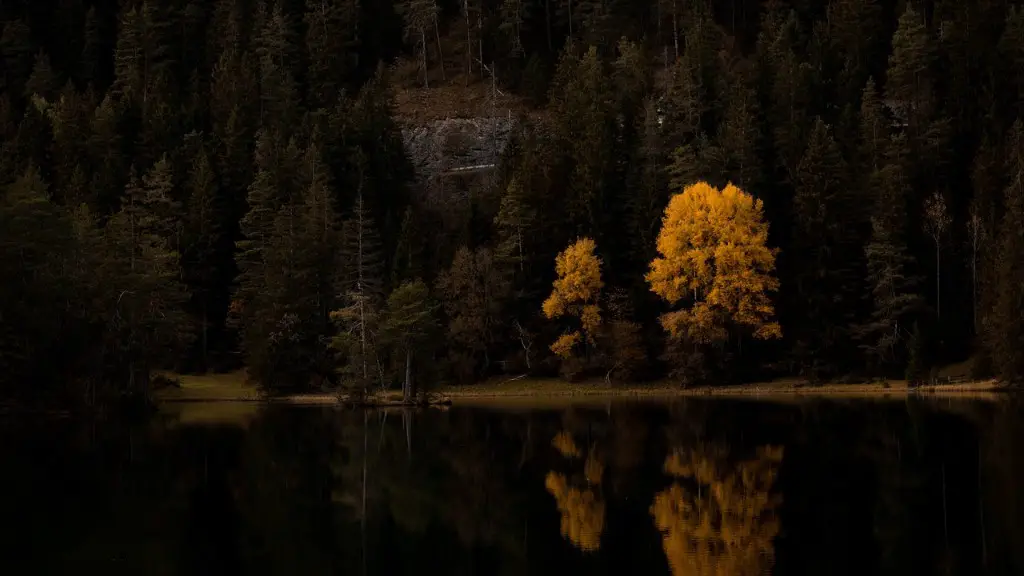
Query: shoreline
x,y
235,389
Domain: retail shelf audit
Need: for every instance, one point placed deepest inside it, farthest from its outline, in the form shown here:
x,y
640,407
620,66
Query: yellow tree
x,y
576,292
713,246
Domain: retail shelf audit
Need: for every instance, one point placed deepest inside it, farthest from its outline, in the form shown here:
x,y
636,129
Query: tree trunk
x,y
570,19
547,18
974,288
407,387
938,280
423,46
675,28
469,42
206,324
440,53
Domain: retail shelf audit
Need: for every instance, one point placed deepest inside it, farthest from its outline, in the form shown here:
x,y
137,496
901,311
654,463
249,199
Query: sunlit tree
x,y
576,291
714,255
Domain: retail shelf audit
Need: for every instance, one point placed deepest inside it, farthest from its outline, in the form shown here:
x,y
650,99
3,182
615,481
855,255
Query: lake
x,y
693,486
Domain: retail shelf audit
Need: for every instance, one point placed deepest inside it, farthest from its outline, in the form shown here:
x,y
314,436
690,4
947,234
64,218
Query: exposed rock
x,y
456,148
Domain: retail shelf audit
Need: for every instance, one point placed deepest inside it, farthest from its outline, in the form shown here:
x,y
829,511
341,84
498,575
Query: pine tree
x,y
582,104
129,58
362,294
147,326
332,39
826,221
739,137
202,256
16,52
43,82
107,155
1005,322
647,188
419,16
472,293
70,117
33,238
408,325
856,34
89,65
895,301
407,262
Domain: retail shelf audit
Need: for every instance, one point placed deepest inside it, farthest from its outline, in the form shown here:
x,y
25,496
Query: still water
x,y
623,488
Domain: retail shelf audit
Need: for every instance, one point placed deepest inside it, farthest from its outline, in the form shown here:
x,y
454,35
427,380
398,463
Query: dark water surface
x,y
625,488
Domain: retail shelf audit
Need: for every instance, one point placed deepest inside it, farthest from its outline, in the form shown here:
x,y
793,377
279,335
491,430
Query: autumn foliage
x,y
576,292
713,252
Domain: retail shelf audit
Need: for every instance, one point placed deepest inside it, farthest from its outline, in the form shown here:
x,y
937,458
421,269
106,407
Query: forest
x,y
199,186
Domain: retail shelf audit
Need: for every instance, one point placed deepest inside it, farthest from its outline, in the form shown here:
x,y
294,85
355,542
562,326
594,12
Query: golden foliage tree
x,y
727,526
713,246
576,292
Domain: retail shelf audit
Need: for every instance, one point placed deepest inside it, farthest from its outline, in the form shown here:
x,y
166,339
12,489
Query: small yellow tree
x,y
576,291
713,246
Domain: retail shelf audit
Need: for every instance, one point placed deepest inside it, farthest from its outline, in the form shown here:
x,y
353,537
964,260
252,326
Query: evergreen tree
x,y
106,151
42,83
144,294
33,238
581,101
16,52
893,287
89,64
332,40
203,258
362,296
1005,323
408,325
472,294
826,273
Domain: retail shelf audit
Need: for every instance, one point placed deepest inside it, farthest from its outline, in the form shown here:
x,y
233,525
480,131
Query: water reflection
x,y
719,517
578,497
701,487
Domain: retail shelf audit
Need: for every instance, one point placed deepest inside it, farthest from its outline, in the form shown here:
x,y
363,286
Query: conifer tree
x,y
826,270
332,40
408,325
472,290
202,258
893,287
43,82
144,292
362,294
1005,323
33,237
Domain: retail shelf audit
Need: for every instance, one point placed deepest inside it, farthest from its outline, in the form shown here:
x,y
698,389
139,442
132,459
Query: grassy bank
x,y
553,388
235,387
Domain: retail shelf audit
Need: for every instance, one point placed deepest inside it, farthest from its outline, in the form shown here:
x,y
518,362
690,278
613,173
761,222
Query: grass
x,y
235,387
553,388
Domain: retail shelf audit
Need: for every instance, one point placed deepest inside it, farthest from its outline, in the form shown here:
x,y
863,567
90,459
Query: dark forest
x,y
198,186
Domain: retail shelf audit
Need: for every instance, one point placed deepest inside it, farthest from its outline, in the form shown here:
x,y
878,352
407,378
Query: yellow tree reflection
x,y
719,519
578,501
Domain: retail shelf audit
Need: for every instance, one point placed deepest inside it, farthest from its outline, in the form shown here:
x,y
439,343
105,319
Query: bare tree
x,y
976,237
937,220
418,15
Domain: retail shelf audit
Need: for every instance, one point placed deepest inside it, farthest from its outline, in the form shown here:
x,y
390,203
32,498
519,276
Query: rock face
x,y
454,155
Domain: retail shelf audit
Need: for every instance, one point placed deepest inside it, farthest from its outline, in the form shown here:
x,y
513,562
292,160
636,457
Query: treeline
x,y
201,185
